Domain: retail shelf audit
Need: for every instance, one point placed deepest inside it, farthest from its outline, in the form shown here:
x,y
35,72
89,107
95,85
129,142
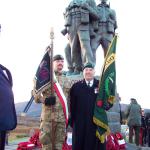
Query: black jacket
x,y
8,119
82,102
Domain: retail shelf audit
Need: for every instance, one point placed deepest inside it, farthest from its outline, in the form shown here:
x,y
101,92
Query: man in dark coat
x,y
148,128
82,100
143,128
8,120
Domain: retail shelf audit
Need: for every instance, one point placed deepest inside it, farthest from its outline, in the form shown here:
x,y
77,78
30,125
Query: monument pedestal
x,y
114,117
113,114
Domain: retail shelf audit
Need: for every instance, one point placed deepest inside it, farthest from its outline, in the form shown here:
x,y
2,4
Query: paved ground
x,y
134,147
13,146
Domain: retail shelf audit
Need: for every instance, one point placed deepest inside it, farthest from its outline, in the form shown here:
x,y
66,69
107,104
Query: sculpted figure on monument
x,y
106,28
78,17
69,59
87,27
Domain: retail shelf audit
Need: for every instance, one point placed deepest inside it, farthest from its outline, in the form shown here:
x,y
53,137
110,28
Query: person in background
x,y
8,119
121,119
143,129
148,128
134,120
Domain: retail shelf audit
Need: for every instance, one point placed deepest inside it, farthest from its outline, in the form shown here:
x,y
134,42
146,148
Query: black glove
x,y
107,106
70,122
49,101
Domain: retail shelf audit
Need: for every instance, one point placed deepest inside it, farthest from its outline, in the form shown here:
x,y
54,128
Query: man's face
x,y
58,65
142,112
88,73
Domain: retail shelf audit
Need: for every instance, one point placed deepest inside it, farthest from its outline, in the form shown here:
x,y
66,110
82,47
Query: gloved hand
x,y
49,101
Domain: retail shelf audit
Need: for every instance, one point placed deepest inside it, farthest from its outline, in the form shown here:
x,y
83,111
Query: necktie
x,y
89,84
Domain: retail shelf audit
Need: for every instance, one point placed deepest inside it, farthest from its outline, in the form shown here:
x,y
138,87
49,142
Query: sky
x,y
25,35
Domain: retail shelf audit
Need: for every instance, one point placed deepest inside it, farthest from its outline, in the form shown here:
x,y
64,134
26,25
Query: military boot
x,y
77,71
70,71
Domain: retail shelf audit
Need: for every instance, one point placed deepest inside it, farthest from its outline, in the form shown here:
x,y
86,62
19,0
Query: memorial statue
x,y
87,26
78,16
106,28
69,59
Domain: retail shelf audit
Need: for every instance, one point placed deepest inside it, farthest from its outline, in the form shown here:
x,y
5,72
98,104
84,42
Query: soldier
x,y
77,22
106,28
57,136
134,120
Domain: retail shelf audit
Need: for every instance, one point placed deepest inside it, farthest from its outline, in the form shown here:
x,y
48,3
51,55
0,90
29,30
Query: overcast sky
x,y
25,34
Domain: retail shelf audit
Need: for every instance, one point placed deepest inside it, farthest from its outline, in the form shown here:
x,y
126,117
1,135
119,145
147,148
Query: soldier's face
x,y
88,73
58,65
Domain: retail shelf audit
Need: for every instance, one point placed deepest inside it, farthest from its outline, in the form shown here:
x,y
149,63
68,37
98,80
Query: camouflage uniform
x,y
59,119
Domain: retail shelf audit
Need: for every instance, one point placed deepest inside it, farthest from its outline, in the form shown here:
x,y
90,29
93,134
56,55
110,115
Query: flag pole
x,y
51,60
51,86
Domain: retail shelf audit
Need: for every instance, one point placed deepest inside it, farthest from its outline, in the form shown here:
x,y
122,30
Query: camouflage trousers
x,y
47,136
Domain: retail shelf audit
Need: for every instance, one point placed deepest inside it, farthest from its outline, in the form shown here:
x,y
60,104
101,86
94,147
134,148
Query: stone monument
x,y
87,27
79,16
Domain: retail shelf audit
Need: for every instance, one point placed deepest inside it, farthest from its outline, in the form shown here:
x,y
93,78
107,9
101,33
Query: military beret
x,y
132,99
88,65
58,57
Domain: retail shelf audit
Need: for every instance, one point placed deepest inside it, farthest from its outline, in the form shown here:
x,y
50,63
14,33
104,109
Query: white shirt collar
x,y
5,73
91,82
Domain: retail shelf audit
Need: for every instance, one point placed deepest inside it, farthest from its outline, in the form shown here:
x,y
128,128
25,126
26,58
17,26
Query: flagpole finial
x,y
52,33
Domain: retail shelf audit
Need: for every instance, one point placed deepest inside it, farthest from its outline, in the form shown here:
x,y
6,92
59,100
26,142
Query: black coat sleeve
x,y
72,106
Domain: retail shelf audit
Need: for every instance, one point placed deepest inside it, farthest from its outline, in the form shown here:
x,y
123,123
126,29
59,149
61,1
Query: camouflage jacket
x,y
58,114
134,114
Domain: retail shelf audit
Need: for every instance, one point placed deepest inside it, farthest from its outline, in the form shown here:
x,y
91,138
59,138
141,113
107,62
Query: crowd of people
x,y
81,108
86,29
87,26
